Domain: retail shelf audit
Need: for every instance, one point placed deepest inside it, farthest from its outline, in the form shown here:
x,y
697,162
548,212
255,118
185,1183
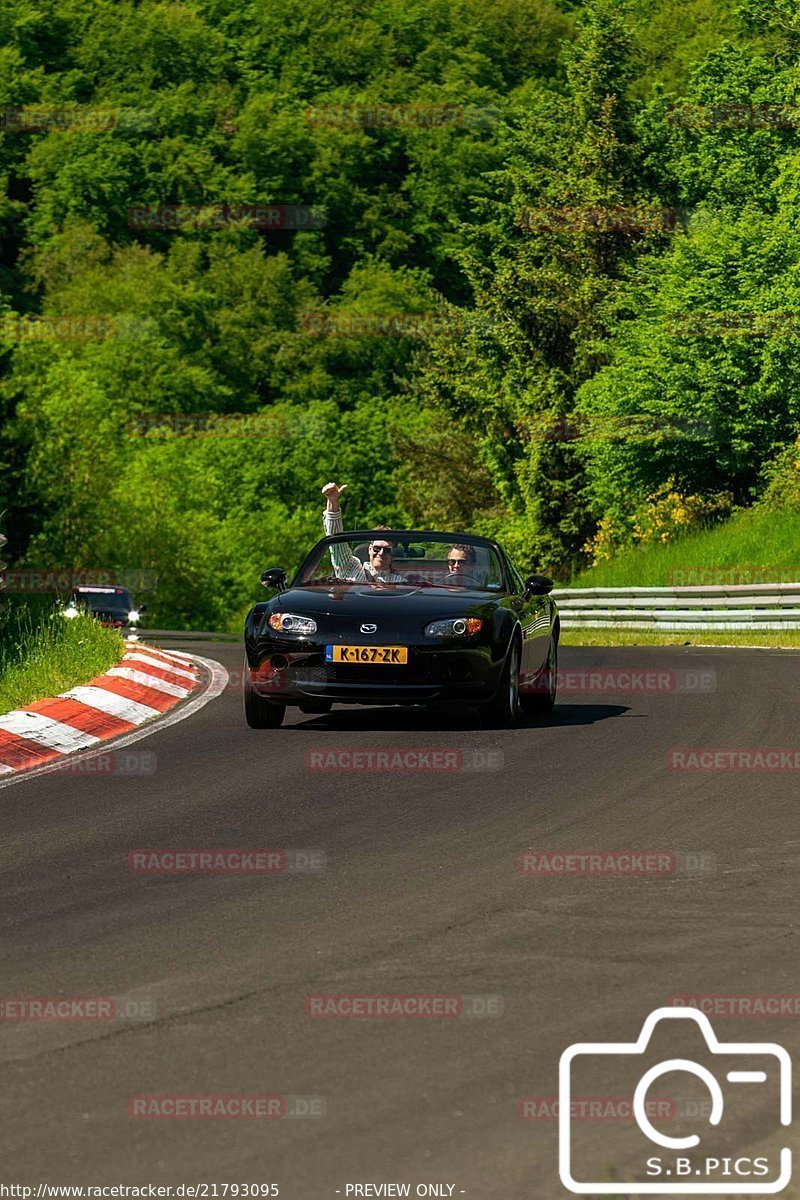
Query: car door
x,y
535,617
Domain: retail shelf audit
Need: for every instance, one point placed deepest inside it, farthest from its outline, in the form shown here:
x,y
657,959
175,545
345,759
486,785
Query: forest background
x,y
527,268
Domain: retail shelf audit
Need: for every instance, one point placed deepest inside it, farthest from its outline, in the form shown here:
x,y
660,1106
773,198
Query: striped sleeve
x,y
345,563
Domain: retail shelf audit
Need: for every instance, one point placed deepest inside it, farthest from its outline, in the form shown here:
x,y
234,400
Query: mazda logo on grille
x,y
369,628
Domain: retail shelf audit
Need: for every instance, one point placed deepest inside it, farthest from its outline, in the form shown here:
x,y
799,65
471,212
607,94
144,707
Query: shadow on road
x,y
385,720
579,714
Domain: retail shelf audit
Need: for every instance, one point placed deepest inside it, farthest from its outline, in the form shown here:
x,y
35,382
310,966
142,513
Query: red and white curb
x,y
137,692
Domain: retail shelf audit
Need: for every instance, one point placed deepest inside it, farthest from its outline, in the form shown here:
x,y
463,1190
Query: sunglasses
x,y
381,550
456,562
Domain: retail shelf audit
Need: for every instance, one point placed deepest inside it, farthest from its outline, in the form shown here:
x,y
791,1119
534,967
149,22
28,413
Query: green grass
x,y
755,546
42,655
789,640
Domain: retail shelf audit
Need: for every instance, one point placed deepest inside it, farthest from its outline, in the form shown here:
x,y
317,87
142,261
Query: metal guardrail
x,y
757,606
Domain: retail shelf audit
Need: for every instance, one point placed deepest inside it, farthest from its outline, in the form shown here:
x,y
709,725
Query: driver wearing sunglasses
x,y
345,564
461,560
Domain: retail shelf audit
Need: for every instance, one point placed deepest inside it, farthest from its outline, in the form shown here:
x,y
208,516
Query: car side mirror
x,y
142,608
538,585
275,577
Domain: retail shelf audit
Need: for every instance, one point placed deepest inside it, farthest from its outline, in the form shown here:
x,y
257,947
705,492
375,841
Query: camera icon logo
x,y
685,1167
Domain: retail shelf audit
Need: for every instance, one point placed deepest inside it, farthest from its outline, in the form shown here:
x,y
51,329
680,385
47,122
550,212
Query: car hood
x,y
400,600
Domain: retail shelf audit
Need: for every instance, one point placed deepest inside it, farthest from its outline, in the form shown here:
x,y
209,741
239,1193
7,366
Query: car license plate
x,y
390,655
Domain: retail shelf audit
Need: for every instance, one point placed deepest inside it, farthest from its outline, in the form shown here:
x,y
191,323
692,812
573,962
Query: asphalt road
x,y
421,895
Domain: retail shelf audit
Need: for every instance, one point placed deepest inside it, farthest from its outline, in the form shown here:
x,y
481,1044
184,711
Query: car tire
x,y
505,710
259,712
542,703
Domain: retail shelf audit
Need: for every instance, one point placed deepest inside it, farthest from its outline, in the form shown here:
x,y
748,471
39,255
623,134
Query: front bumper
x,y
290,674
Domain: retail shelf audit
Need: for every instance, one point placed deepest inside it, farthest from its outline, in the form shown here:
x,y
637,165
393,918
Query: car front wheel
x,y
505,710
260,713
542,702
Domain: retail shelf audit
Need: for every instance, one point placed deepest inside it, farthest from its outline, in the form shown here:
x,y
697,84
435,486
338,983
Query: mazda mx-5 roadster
x,y
396,616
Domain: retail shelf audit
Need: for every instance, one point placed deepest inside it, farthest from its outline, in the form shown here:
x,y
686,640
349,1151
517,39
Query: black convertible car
x,y
448,622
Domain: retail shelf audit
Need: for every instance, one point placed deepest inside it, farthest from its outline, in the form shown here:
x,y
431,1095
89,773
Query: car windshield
x,y
390,559
101,599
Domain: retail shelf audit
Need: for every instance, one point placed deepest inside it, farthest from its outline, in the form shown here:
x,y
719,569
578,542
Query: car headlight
x,y
456,627
70,612
292,623
133,615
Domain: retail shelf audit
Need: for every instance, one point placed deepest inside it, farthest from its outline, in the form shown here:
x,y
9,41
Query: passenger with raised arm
x,y
346,565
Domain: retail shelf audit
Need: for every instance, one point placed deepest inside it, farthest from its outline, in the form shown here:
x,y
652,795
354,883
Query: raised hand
x,y
332,492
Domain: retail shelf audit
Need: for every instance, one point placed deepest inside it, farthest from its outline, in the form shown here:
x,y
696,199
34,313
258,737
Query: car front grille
x,y
345,673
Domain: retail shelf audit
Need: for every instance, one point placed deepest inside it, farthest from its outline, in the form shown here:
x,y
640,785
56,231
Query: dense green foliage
x,y
559,105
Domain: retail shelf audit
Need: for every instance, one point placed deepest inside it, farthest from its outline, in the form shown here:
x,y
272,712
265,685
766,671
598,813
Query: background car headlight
x,y
133,615
455,627
70,612
292,623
